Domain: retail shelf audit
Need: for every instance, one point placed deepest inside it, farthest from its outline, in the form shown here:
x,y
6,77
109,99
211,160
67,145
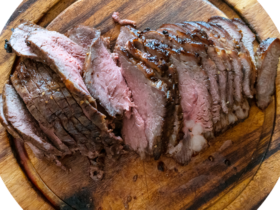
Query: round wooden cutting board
x,y
239,176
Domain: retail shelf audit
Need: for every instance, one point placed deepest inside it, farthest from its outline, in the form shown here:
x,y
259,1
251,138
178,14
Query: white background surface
x,y
7,7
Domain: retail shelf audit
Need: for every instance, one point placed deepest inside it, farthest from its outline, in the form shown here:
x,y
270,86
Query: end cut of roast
x,y
267,57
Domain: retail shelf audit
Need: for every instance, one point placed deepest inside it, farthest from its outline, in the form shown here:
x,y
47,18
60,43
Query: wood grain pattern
x,y
202,184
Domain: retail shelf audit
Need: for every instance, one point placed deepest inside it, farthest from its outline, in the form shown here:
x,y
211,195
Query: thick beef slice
x,y
267,57
67,58
195,98
149,98
18,39
196,106
57,104
83,35
21,120
36,104
104,80
154,55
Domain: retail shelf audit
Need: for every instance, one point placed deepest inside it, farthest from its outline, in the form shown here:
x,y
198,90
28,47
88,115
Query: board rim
x,y
265,115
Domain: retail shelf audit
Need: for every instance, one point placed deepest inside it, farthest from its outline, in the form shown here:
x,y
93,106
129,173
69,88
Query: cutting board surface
x,y
218,174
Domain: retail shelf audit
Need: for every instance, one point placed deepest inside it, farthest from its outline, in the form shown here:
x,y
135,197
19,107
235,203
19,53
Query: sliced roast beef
x,y
235,77
54,49
225,75
195,100
208,65
18,39
267,57
83,35
68,121
104,80
222,62
197,48
150,99
24,124
247,63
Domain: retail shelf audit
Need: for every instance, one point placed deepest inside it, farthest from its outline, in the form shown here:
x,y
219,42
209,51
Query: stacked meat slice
x,y
165,91
49,82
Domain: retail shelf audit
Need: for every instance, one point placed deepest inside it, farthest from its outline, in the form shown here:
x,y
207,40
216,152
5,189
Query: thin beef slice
x,y
25,125
104,80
